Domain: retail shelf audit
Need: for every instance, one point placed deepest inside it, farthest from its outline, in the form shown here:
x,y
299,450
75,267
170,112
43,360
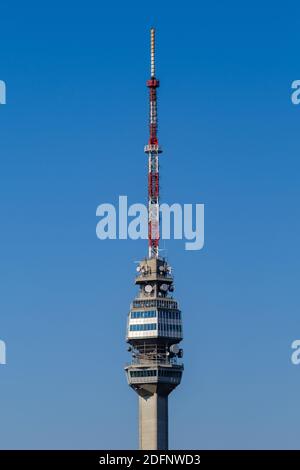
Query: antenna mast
x,y
152,150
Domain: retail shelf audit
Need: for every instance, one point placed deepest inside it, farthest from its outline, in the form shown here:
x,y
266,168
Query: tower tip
x,y
152,39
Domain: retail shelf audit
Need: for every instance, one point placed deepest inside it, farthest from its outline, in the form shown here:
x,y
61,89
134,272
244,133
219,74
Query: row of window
x,y
143,373
153,373
169,373
169,315
155,303
146,314
144,327
162,314
165,327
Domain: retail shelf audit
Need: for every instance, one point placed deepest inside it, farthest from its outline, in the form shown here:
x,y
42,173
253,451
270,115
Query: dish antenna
x,y
174,349
164,287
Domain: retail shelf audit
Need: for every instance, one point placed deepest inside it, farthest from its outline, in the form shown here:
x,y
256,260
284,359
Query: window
x,y
169,314
169,373
144,327
171,304
143,373
144,314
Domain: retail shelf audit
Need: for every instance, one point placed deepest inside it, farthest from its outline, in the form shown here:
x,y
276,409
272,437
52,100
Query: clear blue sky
x,y
71,137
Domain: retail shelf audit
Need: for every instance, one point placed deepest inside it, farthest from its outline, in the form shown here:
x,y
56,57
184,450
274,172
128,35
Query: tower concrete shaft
x,y
153,422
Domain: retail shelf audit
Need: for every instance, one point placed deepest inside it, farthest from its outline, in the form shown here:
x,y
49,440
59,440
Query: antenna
x,y
152,150
152,39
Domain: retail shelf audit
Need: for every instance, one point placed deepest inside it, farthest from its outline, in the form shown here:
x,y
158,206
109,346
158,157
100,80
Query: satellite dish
x,y
148,288
164,287
161,268
138,269
174,349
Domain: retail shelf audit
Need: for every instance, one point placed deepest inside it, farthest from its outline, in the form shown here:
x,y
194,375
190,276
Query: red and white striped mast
x,y
153,150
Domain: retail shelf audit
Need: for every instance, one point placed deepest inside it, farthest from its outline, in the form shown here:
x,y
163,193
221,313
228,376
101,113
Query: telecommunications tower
x,y
154,327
